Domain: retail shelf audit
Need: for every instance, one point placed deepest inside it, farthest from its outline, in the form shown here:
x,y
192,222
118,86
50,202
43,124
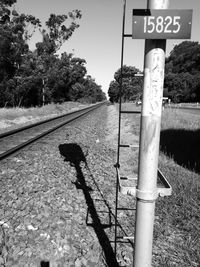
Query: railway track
x,y
15,140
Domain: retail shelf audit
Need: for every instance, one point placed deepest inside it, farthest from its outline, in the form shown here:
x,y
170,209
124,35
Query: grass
x,y
11,118
177,230
176,118
177,217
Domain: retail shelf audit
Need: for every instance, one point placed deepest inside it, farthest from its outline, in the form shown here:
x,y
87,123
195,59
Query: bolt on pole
x,y
149,144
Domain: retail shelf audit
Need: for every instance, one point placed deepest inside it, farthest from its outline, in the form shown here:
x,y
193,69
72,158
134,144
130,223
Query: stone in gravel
x,y
91,264
2,263
16,251
78,263
21,253
45,235
30,227
20,227
66,248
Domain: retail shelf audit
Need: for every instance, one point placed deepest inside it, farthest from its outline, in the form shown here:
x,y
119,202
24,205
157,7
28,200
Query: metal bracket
x,y
128,186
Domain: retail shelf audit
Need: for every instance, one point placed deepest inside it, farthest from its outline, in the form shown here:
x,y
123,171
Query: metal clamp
x,y
147,196
163,188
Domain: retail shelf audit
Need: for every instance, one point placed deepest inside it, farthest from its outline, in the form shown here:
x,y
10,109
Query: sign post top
x,y
162,23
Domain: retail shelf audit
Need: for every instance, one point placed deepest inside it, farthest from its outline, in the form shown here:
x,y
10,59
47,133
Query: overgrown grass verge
x,y
177,224
14,117
177,218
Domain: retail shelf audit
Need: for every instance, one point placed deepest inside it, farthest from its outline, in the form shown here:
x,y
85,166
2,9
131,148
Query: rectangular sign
x,y
162,23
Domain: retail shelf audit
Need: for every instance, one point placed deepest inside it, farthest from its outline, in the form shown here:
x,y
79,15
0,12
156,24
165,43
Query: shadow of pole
x,y
74,155
182,146
44,264
111,214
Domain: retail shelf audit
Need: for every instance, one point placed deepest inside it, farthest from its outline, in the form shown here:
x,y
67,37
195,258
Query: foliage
x,y
182,73
131,86
93,91
34,78
57,33
113,91
13,33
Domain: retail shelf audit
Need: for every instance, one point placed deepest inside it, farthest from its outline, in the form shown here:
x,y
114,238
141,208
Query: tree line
x,y
32,78
131,89
182,73
182,77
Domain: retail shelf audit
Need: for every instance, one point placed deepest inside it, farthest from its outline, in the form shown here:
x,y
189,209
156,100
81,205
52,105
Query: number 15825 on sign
x,y
162,24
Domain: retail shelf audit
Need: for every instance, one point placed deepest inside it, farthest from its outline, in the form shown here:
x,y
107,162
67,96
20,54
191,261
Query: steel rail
x,y
17,148
8,133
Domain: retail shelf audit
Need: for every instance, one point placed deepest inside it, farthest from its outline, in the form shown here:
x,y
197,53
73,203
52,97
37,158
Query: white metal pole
x,y
146,192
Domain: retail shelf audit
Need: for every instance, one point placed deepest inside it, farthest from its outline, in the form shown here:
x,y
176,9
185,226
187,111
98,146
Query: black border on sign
x,y
141,12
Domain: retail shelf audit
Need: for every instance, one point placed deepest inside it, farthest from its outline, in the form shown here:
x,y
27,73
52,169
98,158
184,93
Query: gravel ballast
x,y
57,198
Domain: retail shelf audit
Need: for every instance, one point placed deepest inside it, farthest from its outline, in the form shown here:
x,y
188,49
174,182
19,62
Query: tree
x,y
14,34
57,32
182,72
93,91
77,91
185,57
53,37
113,91
13,46
32,78
50,76
131,85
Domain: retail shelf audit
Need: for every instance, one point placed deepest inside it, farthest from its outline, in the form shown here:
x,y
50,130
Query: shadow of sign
x,y
183,146
73,154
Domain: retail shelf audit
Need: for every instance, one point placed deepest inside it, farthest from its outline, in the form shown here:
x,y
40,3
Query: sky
x,y
99,37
